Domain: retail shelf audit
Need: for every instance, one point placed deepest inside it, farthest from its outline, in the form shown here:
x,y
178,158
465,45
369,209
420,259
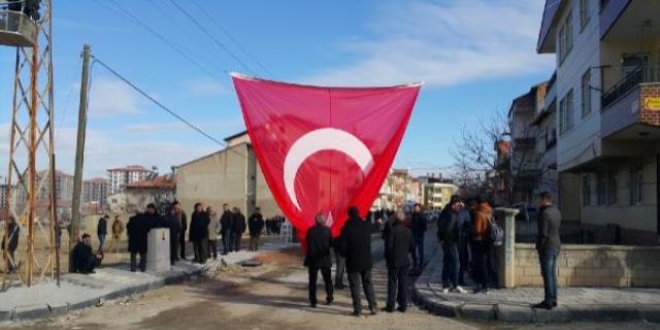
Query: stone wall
x,y
592,266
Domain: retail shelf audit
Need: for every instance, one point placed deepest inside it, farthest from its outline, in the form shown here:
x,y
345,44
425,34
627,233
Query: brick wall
x,y
648,116
593,266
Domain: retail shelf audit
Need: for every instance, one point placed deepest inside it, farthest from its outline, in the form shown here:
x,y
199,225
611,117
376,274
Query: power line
x,y
179,49
217,42
229,35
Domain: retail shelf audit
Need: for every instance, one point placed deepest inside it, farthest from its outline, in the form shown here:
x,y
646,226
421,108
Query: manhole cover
x,y
251,263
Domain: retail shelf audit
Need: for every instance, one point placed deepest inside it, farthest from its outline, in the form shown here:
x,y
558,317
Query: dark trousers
x,y
200,247
450,265
237,241
464,257
418,252
226,241
481,250
174,247
101,241
182,245
397,278
213,248
327,280
254,243
12,261
341,268
548,261
354,279
143,261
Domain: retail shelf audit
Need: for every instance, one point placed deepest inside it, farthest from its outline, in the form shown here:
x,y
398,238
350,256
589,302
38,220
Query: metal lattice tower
x,y
30,195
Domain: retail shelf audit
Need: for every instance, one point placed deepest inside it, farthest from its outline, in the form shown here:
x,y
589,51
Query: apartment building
x,y
436,192
118,178
607,96
95,191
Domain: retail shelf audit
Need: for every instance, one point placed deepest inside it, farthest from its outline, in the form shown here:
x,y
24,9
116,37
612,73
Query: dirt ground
x,y
273,296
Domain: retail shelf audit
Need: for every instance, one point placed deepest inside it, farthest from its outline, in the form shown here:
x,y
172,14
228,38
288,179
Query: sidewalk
x,y
79,291
513,305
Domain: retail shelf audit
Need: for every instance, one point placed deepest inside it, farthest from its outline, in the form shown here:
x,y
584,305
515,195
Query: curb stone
x,y
478,312
561,314
514,314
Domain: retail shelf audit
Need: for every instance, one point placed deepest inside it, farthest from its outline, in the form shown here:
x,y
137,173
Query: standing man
x,y
238,228
226,224
482,215
548,244
175,230
465,231
199,233
398,243
319,241
448,235
117,231
137,230
355,245
255,225
419,227
183,226
12,233
214,230
102,230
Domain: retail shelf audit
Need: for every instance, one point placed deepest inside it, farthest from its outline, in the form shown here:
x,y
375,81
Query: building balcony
x,y
631,111
625,19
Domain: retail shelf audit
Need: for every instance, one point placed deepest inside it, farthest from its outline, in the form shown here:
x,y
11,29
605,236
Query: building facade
x,y
436,191
607,94
95,191
118,178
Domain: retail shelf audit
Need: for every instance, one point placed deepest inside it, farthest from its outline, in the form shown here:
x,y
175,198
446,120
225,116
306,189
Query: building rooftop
x,y
131,168
160,182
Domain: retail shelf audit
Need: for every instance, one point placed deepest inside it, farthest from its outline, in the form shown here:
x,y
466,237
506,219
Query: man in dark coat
x,y
137,230
355,245
238,228
419,227
180,216
226,223
449,234
548,244
175,229
199,233
154,219
398,244
102,230
12,233
319,242
84,260
255,225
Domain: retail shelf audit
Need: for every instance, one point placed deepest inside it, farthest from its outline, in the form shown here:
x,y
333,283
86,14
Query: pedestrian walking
x,y
255,226
448,235
180,215
548,244
419,226
117,231
137,230
319,243
199,233
398,244
482,215
226,222
214,230
355,245
12,235
238,228
175,230
102,230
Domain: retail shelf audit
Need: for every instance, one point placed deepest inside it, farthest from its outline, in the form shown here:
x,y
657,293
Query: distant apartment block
x,y
95,191
63,186
118,178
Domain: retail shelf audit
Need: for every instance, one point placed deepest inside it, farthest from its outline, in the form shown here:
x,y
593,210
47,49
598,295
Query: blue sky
x,y
474,56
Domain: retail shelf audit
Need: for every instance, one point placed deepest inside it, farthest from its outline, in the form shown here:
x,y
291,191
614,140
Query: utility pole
x,y
80,154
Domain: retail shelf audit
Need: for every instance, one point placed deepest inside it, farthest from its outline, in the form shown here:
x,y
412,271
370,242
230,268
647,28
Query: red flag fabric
x,y
323,149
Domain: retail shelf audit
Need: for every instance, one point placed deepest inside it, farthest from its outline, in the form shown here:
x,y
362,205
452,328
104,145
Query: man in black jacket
x,y
84,260
419,227
199,233
255,225
102,230
175,229
137,230
548,244
238,228
180,216
319,241
355,245
398,243
226,224
448,235
12,233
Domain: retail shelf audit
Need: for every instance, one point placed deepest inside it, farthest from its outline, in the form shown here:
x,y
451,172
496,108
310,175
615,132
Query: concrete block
x,y
30,313
584,272
537,280
566,271
603,313
5,315
532,271
514,313
559,314
446,308
649,313
158,250
478,312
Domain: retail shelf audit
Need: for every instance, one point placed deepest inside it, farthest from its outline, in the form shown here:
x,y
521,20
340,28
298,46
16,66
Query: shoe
x,y
554,304
445,290
460,290
388,310
543,305
402,309
313,305
356,313
373,310
329,302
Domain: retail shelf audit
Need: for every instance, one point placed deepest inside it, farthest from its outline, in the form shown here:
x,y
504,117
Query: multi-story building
x,y
545,123
607,92
436,192
95,191
118,178
63,186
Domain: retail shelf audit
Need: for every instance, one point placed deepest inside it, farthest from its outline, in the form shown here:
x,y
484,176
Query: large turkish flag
x,y
324,149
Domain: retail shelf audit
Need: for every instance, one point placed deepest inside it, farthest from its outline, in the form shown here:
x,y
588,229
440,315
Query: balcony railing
x,y
642,74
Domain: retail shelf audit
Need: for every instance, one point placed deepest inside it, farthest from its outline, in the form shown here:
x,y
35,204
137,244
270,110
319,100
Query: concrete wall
x,y
593,266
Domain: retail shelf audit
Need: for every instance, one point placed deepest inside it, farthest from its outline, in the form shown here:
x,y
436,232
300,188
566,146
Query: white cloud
x,y
444,44
203,87
109,98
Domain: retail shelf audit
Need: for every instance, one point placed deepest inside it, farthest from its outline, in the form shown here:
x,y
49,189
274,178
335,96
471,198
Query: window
x,y
607,188
636,184
566,38
585,13
586,190
602,189
611,189
566,112
586,93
